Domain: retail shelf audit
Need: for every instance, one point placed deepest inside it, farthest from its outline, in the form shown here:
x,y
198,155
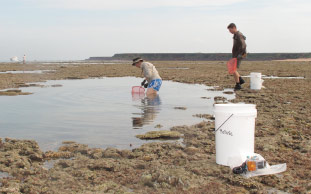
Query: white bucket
x,y
256,81
234,130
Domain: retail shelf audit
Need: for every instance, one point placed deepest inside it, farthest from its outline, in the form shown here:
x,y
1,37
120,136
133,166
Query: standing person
x,y
151,76
24,59
238,51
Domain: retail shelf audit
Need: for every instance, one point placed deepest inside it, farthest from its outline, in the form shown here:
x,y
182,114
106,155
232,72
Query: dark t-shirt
x,y
239,45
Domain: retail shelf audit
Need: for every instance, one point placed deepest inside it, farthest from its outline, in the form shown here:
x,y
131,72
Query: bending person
x,y
151,75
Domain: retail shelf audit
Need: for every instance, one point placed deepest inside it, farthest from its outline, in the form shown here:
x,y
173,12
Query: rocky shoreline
x,y
283,132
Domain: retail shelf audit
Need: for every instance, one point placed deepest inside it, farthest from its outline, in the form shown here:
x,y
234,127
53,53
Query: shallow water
x,y
276,77
100,112
4,175
49,164
34,71
84,62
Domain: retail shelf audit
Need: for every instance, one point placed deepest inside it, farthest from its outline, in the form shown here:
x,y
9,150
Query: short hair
x,y
232,25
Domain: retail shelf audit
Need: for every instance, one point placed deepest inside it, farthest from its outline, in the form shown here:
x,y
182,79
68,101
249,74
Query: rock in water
x,y
180,108
160,135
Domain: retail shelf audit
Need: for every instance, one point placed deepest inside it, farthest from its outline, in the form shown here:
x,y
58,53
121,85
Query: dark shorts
x,y
239,62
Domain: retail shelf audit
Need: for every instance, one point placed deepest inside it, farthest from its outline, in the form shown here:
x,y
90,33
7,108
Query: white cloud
x,y
127,4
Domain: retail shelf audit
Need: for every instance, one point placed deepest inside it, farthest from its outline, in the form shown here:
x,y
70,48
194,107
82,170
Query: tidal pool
x,y
33,71
4,175
101,112
276,77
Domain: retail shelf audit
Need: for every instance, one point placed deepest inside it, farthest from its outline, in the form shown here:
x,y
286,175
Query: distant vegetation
x,y
202,56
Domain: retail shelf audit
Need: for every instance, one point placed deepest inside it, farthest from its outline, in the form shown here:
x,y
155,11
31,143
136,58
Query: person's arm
x,y
146,71
243,44
143,82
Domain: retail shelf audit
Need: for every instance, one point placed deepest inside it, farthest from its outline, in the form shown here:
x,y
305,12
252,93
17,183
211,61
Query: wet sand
x,y
283,132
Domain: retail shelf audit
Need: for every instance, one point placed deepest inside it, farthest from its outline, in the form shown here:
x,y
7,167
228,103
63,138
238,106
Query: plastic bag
x,y
232,65
268,170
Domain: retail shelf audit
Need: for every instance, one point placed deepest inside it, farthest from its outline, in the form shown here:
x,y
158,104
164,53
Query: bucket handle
x,y
223,123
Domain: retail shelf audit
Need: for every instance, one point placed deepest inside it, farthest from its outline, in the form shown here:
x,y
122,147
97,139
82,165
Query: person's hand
x,y
146,85
240,56
143,83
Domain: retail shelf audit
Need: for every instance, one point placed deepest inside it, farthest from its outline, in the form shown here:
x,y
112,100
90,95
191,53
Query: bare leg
x,y
151,92
236,77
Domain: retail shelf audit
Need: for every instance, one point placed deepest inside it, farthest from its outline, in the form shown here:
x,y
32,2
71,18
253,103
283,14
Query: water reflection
x,y
150,107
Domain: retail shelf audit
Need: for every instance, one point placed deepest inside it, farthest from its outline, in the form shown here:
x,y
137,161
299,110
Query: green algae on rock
x,y
206,116
13,93
158,126
160,135
181,108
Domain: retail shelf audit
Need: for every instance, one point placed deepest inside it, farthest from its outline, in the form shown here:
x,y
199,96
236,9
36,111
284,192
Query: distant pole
x,y
24,59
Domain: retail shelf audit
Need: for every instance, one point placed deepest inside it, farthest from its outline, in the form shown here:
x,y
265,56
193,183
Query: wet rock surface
x,y
283,134
164,134
13,93
159,126
206,116
180,108
24,85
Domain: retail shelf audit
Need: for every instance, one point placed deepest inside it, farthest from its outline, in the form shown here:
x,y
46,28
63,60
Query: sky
x,y
78,29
